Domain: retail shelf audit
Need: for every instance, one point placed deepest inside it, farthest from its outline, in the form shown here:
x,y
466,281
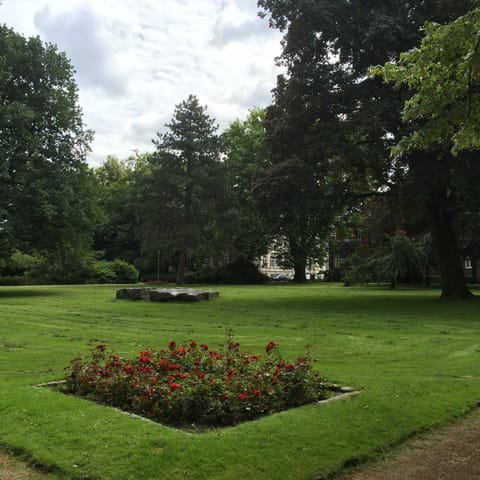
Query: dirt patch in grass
x,y
13,469
450,453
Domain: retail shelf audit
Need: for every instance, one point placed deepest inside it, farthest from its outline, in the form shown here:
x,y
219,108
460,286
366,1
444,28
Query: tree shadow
x,y
18,292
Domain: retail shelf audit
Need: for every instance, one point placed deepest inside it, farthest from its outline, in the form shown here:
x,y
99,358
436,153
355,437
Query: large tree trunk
x,y
299,258
445,248
182,263
474,262
431,174
300,275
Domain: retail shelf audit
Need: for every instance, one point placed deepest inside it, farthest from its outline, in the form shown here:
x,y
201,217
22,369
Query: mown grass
x,y
415,358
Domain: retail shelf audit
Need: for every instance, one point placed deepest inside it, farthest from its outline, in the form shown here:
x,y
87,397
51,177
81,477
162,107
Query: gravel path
x,y
452,453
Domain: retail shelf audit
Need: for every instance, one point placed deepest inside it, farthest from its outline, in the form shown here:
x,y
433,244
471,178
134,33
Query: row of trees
x,y
189,202
339,134
60,220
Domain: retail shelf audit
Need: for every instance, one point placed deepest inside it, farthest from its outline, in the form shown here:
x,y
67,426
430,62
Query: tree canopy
x,y
443,76
242,228
45,184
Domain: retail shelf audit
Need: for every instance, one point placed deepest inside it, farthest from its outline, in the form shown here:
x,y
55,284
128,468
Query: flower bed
x,y
192,384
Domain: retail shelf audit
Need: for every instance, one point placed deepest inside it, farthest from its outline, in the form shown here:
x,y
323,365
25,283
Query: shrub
x,y
124,272
117,271
12,280
192,384
22,268
238,272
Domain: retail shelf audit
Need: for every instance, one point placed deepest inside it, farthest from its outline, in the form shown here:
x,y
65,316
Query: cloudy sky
x,y
136,59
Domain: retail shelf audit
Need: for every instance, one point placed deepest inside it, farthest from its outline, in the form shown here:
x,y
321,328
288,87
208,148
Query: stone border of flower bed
x,y
166,294
338,393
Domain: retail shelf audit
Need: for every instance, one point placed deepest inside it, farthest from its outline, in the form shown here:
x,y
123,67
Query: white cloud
x,y
137,59
88,44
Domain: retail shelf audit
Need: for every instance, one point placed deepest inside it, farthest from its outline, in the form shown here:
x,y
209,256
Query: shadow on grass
x,y
22,292
372,302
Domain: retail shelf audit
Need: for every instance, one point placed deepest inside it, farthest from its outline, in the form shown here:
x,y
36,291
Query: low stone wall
x,y
165,294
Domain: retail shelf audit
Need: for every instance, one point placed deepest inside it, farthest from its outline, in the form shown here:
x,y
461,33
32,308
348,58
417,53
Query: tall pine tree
x,y
184,187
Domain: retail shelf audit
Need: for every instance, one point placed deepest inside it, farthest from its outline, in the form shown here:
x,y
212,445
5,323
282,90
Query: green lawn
x,y
415,357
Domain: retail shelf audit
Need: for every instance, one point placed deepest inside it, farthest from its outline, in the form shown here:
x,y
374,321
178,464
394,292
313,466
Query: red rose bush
x,y
192,384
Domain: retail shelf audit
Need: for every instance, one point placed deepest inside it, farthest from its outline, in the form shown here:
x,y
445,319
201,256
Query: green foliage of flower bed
x,y
193,384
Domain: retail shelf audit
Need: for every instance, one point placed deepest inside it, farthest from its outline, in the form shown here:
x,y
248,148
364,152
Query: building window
x,y
468,263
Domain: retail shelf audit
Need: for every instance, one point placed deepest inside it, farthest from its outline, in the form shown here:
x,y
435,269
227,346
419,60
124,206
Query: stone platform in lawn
x,y
165,294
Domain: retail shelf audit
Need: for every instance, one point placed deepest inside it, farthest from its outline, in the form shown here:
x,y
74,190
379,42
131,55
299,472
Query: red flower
x,y
243,396
164,364
172,344
193,344
256,357
246,361
128,369
197,363
175,386
270,346
290,367
257,393
204,346
180,351
102,347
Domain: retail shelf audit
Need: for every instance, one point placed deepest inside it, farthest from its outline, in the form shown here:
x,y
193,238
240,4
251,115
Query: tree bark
x,y
393,283
300,275
299,258
182,262
474,261
445,248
